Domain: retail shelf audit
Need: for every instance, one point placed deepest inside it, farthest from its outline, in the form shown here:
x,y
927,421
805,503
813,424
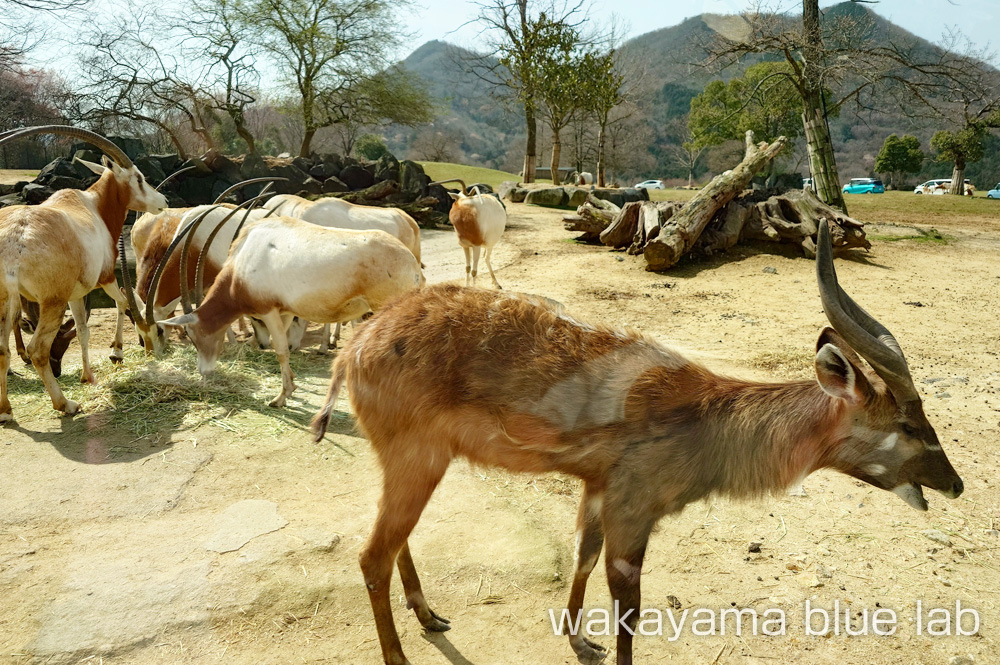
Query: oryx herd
x,y
501,379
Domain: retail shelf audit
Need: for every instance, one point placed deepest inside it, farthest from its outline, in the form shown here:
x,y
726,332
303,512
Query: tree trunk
x,y
823,163
958,178
247,138
530,151
600,157
681,235
554,163
307,142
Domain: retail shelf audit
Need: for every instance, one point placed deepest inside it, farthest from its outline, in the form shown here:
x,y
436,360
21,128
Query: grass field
x,y
468,174
11,176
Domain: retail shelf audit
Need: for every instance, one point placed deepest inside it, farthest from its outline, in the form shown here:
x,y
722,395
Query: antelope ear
x,y
96,168
839,377
454,196
181,321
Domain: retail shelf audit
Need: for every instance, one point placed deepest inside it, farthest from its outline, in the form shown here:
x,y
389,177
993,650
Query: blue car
x,y
994,193
864,186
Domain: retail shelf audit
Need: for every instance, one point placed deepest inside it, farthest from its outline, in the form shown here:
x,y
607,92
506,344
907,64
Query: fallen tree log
x,y
591,218
679,235
376,192
621,232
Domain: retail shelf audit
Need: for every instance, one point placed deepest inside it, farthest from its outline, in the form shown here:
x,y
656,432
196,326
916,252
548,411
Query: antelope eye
x,y
908,429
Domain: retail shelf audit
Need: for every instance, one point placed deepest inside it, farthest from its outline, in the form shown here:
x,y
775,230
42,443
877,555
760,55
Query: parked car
x,y
864,186
994,193
807,183
939,186
650,184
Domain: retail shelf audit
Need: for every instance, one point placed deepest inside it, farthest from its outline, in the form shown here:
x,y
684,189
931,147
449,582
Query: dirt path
x,y
111,529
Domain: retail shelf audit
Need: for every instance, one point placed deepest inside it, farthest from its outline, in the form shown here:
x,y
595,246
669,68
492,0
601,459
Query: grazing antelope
x,y
514,382
158,270
57,252
332,212
282,267
479,221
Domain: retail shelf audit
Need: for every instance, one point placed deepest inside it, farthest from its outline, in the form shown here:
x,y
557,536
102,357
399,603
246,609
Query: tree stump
x,y
679,235
592,218
621,232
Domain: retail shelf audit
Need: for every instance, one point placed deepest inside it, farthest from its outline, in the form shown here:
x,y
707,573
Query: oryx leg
x,y
475,262
468,265
295,329
50,316
78,308
489,250
277,324
111,288
10,306
324,344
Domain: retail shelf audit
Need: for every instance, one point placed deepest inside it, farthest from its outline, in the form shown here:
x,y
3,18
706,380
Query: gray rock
x,y
242,522
34,193
550,197
962,660
302,164
387,168
253,167
356,177
62,182
505,188
151,169
937,536
412,178
577,196
311,186
616,196
518,194
771,270
169,162
334,185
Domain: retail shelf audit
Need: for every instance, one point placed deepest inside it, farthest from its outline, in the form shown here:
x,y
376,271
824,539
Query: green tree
x,y
336,53
960,148
602,91
370,146
560,86
899,155
518,35
762,100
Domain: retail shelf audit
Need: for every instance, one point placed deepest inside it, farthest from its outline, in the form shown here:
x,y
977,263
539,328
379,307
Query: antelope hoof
x,y
71,409
436,623
87,378
590,653
117,359
278,401
6,418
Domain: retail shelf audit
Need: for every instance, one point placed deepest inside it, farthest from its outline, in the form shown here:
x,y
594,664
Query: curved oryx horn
x,y
97,140
199,274
868,337
133,305
465,191
161,266
252,181
173,176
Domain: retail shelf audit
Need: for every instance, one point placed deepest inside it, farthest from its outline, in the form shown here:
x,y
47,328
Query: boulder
x,y
58,182
302,163
412,178
168,163
517,195
577,196
356,177
61,167
296,179
132,147
150,168
334,185
34,193
386,168
197,190
224,167
332,163
443,197
550,197
253,167
88,156
505,188
11,200
311,186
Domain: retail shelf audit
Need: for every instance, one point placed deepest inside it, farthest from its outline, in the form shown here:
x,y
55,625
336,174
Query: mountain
x,y
483,131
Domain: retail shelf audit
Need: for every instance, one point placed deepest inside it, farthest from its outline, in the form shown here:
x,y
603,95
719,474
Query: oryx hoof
x,y
590,653
436,623
71,408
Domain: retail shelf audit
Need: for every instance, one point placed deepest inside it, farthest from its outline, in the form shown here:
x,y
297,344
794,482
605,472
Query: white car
x,y
939,186
650,184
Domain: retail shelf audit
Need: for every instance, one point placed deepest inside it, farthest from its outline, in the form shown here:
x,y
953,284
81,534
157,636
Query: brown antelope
x,y
514,382
29,323
282,267
57,252
479,221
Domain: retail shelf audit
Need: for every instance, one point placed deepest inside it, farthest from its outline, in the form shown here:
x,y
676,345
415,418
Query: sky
x,y
453,20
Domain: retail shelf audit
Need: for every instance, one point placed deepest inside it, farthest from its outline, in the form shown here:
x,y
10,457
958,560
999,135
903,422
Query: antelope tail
x,y
322,419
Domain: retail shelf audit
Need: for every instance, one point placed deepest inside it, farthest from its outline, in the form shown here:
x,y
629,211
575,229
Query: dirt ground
x,y
108,524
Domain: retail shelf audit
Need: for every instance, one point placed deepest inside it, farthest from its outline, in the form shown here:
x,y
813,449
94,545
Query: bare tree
x,y
517,34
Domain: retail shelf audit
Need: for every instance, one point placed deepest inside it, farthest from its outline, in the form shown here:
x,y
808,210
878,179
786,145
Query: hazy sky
x,y
977,19
454,20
